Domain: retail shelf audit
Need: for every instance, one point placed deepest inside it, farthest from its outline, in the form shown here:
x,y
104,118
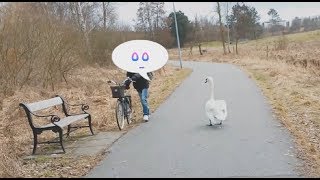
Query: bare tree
x,y
228,27
109,14
197,34
221,28
35,46
104,9
243,21
57,9
209,29
159,17
150,18
83,25
274,21
141,23
84,17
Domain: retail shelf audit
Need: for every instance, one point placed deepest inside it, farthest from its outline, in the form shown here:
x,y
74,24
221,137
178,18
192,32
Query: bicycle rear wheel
x,y
120,114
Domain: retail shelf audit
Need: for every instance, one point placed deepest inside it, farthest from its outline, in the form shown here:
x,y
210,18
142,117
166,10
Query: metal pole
x,y
175,19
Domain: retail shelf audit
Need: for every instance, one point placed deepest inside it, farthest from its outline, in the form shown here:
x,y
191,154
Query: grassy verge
x,y
297,37
85,85
295,102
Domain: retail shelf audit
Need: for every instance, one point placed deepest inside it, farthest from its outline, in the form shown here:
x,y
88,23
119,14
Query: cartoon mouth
x,y
142,67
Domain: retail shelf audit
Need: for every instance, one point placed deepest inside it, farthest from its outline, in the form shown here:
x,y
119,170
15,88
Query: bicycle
x,y
123,105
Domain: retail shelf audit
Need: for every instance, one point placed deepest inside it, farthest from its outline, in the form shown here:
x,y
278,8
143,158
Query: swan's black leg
x,y
220,123
210,123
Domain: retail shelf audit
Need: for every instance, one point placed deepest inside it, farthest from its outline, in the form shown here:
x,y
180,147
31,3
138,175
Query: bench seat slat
x,y
67,120
44,104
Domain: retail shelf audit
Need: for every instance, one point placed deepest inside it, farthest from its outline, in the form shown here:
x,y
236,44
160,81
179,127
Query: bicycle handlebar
x,y
120,84
111,81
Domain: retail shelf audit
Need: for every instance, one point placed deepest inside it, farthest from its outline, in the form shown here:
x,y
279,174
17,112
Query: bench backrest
x,y
36,106
40,105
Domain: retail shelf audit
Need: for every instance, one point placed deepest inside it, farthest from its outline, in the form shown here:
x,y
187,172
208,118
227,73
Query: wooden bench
x,y
56,123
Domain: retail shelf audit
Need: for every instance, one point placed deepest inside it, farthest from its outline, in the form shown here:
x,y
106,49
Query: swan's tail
x,y
224,113
224,110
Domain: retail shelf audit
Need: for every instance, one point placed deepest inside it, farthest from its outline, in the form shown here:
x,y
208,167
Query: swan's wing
x,y
221,108
221,104
210,110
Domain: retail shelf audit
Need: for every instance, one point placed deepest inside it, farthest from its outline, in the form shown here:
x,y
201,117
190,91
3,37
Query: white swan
x,y
216,110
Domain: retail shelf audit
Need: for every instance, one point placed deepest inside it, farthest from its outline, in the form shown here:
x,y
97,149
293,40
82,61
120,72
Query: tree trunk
x,y
104,16
157,20
228,31
200,49
151,33
237,46
229,40
190,52
221,29
86,36
84,29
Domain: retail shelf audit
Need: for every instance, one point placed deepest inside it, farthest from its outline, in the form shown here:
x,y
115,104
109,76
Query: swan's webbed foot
x,y
210,123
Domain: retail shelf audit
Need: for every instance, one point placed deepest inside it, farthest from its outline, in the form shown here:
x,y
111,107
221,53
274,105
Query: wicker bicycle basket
x,y
117,91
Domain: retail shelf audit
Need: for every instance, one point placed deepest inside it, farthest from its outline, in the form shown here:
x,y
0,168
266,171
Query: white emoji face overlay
x,y
140,56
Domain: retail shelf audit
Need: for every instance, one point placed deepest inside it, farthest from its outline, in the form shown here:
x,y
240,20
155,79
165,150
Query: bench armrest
x,y
53,119
84,107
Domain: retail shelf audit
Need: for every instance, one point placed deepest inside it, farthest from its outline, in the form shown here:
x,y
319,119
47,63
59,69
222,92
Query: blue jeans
x,y
144,101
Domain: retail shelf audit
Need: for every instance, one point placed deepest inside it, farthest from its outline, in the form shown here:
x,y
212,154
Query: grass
x,y
292,106
42,159
212,44
305,36
259,76
297,38
48,173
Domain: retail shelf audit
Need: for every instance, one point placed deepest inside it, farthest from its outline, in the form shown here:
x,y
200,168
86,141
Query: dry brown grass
x,y
290,80
293,94
85,85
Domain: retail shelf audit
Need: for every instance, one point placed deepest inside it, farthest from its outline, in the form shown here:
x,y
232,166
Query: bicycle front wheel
x,y
128,109
120,115
129,114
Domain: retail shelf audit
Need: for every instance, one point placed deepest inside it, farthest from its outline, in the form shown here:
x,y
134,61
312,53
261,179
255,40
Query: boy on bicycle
x,y
142,86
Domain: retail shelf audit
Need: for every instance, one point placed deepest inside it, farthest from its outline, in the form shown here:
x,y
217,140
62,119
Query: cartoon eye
x,y
134,57
145,56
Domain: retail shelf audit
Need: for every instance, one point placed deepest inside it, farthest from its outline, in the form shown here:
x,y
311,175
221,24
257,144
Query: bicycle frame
x,y
124,101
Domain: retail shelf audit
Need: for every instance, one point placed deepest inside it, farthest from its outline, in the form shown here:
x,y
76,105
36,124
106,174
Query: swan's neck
x,y
212,90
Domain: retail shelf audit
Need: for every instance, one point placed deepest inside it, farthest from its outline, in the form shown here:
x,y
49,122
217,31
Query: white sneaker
x,y
146,118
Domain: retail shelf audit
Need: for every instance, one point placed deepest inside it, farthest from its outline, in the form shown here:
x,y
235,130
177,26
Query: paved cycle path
x,y
177,142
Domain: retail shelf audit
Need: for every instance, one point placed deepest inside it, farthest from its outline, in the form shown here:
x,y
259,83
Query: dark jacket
x,y
140,83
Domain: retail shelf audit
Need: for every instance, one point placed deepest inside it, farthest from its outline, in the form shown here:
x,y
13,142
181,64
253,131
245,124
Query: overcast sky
x,y
287,10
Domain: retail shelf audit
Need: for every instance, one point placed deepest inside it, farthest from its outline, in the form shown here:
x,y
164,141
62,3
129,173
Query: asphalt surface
x,y
177,142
